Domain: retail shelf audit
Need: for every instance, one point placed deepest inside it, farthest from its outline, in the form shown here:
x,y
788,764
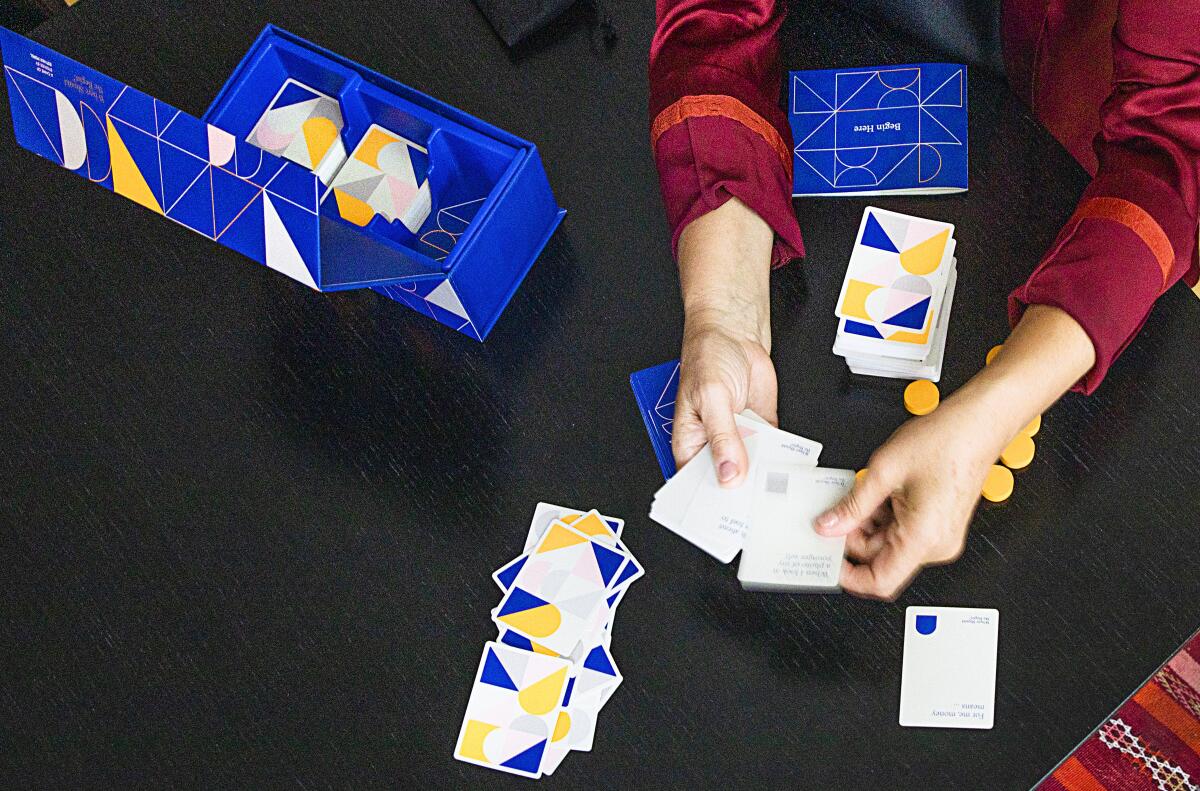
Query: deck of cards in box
x,y
894,307
311,164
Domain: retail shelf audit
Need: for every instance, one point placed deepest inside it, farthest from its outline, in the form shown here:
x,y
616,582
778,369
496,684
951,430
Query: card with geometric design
x,y
559,594
303,125
879,130
513,710
386,175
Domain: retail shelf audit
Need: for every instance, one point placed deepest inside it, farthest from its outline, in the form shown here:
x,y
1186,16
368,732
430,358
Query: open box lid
x,y
189,171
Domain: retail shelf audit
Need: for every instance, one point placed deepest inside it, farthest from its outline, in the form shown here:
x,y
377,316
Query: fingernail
x,y
727,471
827,520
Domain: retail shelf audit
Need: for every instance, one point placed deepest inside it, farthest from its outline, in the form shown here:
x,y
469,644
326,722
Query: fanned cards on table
x,y
879,130
894,307
541,684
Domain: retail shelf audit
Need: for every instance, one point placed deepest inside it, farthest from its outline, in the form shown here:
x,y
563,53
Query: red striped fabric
x,y
1151,742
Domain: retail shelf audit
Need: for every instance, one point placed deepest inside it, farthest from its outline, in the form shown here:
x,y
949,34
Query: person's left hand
x,y
912,507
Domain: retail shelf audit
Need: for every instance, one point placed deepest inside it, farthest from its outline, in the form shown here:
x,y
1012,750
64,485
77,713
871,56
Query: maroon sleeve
x,y
1134,232
717,129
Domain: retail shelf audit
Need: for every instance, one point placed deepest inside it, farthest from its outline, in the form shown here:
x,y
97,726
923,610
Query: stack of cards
x,y
303,125
541,684
386,174
782,552
894,307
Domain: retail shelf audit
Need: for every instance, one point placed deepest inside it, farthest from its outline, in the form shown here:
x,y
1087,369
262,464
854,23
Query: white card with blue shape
x,y
949,674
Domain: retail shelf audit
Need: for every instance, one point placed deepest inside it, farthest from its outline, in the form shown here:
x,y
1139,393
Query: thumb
x,y
869,492
728,451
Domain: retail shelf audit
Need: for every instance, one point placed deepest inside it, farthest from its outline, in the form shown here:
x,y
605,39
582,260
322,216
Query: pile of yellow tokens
x,y
921,397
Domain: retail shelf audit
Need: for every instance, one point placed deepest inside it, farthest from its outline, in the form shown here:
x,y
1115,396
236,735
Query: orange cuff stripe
x,y
711,104
1170,714
1074,776
1136,219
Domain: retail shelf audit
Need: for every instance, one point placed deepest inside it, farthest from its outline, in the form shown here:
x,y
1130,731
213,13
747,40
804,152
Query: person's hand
x,y
724,267
723,370
912,506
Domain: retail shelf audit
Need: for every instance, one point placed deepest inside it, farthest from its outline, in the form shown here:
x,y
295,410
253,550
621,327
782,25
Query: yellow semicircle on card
x,y
541,621
854,305
562,727
543,696
559,537
926,257
472,740
319,134
352,209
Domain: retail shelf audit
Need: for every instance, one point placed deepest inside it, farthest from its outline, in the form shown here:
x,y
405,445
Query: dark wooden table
x,y
247,529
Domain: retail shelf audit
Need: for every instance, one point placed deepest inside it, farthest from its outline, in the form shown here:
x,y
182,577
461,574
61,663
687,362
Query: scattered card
x,y
576,560
513,710
949,673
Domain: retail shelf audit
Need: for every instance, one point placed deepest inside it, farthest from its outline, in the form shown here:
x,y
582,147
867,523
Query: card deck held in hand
x,y
542,682
768,519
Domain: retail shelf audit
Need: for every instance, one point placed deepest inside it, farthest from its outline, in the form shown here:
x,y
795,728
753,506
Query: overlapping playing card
x,y
894,307
542,682
768,519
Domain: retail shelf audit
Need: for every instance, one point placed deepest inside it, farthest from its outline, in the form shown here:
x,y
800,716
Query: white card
x,y
714,518
949,672
782,551
513,710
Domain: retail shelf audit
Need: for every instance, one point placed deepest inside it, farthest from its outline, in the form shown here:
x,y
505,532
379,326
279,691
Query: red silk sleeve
x,y
716,126
1134,232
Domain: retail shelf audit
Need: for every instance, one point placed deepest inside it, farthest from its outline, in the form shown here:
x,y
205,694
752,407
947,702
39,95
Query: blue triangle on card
x,y
628,570
520,600
597,660
911,318
858,328
607,561
494,672
528,761
508,576
875,236
570,688
516,641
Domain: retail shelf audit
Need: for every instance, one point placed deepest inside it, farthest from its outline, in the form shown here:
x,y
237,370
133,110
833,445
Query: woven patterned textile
x,y
1151,742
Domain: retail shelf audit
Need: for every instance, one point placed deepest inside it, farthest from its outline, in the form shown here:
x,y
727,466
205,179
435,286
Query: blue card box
x,y
492,208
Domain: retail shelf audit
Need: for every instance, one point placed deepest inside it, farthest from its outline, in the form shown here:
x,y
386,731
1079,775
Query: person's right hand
x,y
723,371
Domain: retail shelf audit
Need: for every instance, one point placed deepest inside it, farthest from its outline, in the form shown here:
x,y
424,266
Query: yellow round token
x,y
1019,452
921,397
992,352
858,476
1034,426
998,485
